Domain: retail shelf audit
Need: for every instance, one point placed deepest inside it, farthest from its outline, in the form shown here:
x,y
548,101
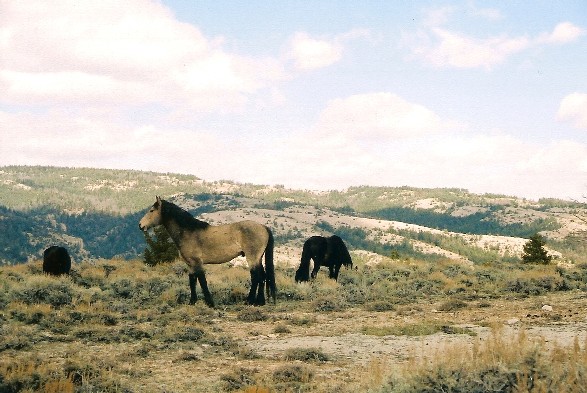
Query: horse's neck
x,y
174,231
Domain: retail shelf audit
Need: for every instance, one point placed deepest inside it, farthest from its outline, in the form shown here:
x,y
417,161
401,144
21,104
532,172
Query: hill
x,y
94,212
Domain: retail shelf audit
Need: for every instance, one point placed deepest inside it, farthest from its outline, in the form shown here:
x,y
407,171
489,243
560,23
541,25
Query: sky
x,y
317,95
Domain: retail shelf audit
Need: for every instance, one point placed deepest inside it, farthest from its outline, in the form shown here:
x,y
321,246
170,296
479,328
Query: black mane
x,y
183,218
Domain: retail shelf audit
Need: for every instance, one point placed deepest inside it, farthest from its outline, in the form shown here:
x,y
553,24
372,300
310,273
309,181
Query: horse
x,y
201,243
330,252
56,261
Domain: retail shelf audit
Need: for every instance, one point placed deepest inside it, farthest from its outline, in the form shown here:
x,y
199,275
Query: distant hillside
x,y
95,213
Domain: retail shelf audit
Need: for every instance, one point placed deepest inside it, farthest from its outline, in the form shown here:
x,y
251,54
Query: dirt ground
x,y
355,361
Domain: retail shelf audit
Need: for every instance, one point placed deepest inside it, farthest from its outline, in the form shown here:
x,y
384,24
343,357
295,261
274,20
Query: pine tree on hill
x,y
160,248
534,251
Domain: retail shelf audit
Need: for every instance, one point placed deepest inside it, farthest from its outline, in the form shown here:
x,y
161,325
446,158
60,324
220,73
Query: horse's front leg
x,y
204,285
336,271
193,295
197,274
317,264
331,272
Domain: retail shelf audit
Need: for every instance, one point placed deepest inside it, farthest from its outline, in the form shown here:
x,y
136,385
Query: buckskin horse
x,y
201,243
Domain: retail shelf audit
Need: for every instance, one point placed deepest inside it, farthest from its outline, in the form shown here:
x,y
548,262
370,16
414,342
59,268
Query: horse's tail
x,y
269,267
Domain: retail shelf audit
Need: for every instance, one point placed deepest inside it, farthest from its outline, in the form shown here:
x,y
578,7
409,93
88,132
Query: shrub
x,y
238,379
326,304
306,354
252,315
499,364
292,373
39,290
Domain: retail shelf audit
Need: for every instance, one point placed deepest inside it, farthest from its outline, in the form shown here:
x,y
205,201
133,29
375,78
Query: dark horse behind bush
x,y
56,261
324,251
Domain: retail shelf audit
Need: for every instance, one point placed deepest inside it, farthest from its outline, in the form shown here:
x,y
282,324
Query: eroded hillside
x,y
94,212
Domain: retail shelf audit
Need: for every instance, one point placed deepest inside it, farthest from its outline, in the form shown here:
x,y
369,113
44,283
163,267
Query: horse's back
x,y
56,260
315,245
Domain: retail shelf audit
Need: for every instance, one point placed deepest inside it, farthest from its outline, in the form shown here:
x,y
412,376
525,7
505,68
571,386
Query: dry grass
x,y
122,326
503,362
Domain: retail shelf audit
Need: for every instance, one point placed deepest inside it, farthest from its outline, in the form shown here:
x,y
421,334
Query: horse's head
x,y
153,216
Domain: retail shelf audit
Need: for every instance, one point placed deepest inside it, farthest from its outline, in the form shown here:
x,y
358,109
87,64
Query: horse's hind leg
x,y
256,294
204,284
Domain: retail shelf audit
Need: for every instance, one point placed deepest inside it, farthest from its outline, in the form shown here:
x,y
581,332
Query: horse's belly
x,y
212,255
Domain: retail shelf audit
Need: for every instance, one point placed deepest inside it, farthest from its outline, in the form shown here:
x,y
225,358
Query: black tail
x,y
269,267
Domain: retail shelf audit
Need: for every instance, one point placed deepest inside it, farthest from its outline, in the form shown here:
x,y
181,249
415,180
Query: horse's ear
x,y
158,202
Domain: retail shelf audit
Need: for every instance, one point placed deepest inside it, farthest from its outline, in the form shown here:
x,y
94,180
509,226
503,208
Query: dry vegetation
x,y
406,326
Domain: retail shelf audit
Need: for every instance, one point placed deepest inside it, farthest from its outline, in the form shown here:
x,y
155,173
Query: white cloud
x,y
133,52
379,116
480,163
442,47
563,32
310,53
456,50
573,108
63,139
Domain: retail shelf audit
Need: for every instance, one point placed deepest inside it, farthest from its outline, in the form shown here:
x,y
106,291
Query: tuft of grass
x,y
452,305
238,379
424,328
306,354
252,315
292,373
380,306
281,328
503,363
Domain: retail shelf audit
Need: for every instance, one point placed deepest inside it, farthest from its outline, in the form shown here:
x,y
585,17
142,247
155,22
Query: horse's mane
x,y
183,218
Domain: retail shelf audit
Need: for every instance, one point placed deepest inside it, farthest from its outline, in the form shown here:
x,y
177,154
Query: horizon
x,y
312,96
406,186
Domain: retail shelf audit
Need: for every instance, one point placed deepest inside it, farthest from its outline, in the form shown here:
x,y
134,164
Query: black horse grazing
x,y
56,261
200,243
325,251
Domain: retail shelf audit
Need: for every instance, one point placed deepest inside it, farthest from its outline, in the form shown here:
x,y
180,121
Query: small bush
x,y
238,379
187,333
292,373
325,304
380,306
252,315
48,290
281,328
306,354
452,305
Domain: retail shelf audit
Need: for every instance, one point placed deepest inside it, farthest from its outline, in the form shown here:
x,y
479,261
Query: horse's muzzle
x,y
141,227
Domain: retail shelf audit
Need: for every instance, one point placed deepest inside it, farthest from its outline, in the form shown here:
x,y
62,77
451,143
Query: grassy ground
x,y
410,326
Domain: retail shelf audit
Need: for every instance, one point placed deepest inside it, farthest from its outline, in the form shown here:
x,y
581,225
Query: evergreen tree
x,y
160,248
534,251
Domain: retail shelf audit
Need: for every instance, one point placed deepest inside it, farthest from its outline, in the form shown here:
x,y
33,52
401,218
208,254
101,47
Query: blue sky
x,y
487,96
